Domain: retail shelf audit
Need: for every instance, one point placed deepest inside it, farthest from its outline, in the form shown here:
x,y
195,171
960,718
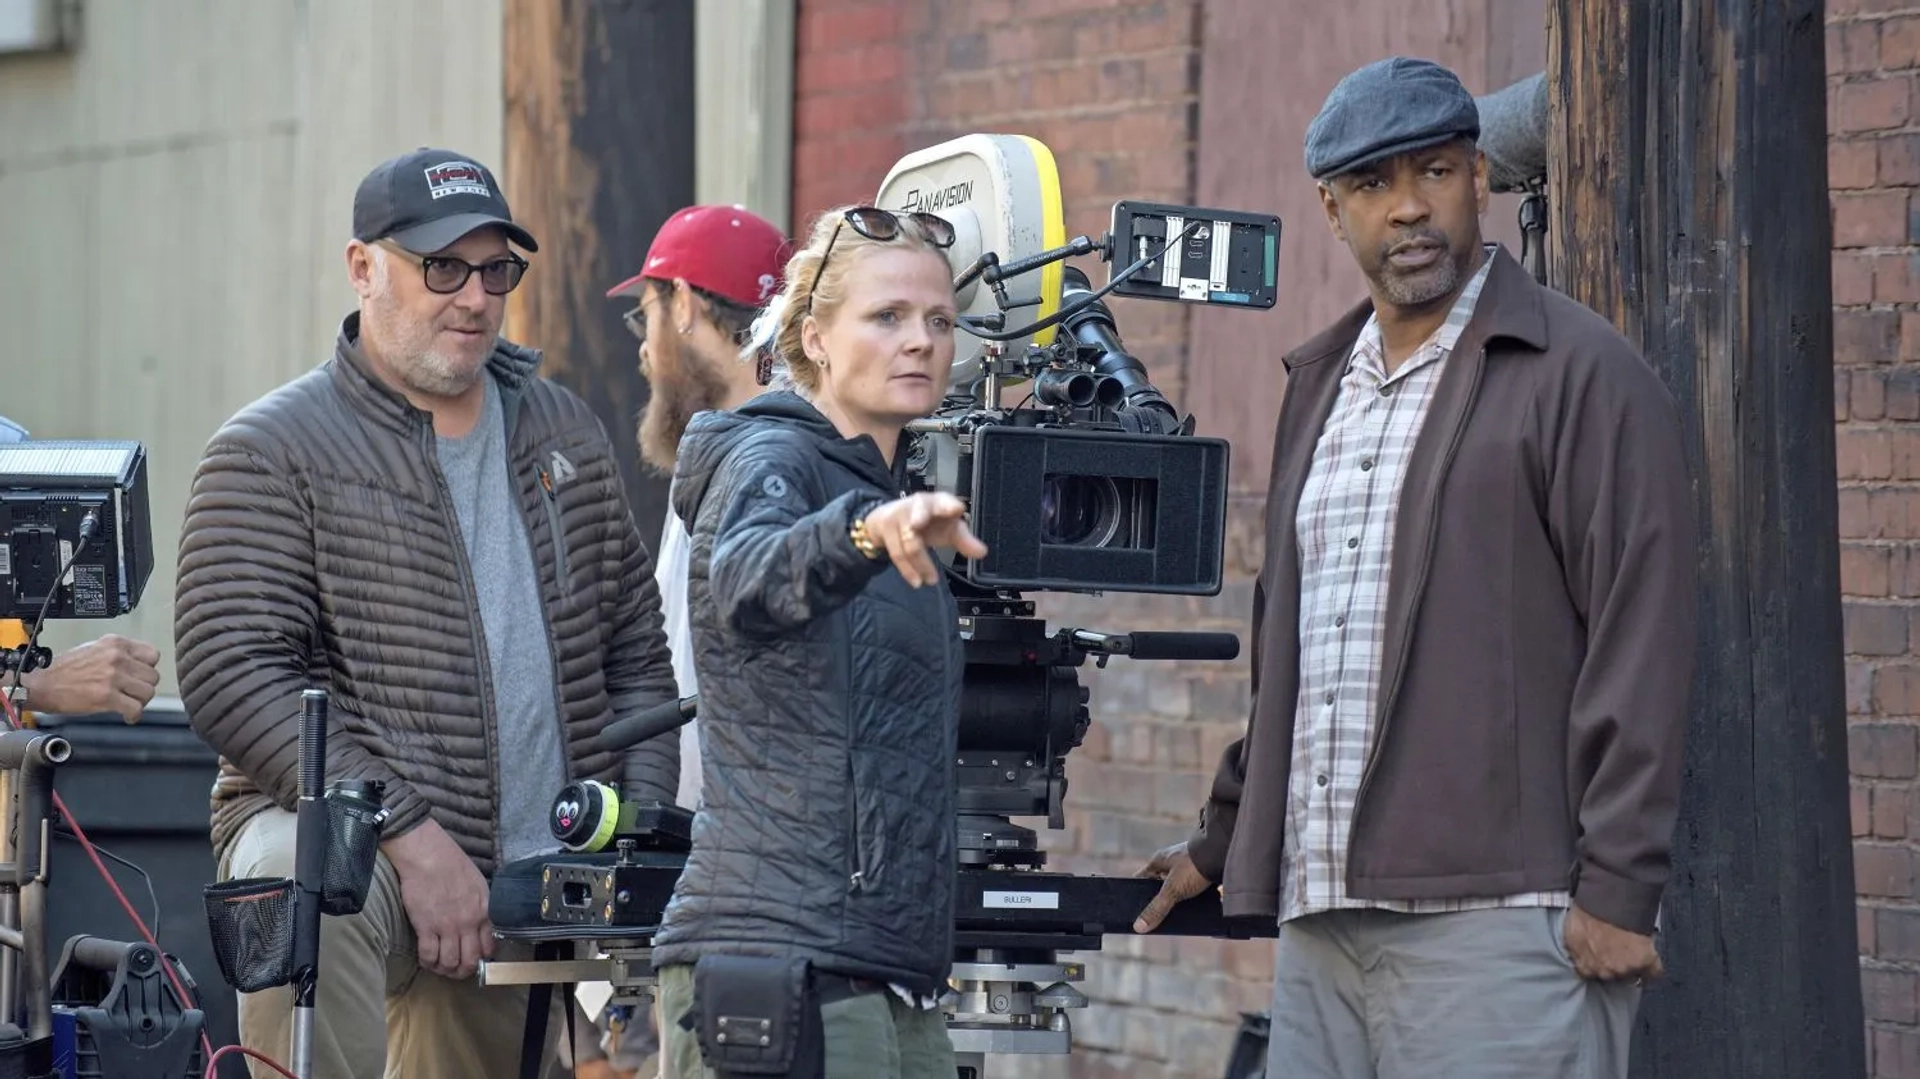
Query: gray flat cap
x,y
1388,107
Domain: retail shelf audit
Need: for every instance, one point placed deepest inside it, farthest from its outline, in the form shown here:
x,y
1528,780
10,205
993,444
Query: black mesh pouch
x,y
251,921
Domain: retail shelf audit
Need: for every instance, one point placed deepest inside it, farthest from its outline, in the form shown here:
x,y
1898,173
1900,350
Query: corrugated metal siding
x,y
175,197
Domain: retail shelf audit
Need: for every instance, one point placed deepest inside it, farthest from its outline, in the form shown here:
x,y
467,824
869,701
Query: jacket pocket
x,y
552,502
857,867
856,851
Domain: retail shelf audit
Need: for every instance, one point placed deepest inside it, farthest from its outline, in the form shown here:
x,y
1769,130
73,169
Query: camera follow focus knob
x,y
584,815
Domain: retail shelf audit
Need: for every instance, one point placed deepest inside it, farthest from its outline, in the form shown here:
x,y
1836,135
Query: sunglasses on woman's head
x,y
877,224
883,225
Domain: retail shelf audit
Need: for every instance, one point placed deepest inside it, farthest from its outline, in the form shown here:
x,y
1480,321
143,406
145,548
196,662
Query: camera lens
x,y
1078,511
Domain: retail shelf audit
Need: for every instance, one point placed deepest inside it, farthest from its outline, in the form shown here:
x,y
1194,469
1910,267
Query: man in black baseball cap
x,y
1457,789
429,199
437,534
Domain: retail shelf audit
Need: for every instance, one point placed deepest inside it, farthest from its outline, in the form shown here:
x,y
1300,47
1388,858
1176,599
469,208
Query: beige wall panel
x,y
743,93
150,75
175,196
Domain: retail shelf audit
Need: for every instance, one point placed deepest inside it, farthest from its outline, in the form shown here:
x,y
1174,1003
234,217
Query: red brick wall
x,y
1873,50
851,102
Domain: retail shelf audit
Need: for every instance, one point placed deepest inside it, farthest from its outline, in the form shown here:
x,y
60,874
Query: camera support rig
x,y
1022,710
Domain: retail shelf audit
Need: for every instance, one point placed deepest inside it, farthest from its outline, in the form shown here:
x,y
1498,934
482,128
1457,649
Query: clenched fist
x,y
1606,953
113,674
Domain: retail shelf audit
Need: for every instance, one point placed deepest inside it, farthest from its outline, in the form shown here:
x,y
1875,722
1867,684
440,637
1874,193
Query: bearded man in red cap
x,y
707,275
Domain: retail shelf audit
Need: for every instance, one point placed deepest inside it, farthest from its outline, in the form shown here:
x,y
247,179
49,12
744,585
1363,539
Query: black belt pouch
x,y
758,1017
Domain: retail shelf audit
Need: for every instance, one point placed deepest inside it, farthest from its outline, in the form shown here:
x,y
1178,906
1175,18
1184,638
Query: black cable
x,y
87,526
145,878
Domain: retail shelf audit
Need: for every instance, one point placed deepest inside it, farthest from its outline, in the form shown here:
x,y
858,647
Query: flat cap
x,y
1386,108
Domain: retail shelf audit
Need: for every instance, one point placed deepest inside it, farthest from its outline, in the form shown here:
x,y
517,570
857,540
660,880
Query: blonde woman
x,y
827,649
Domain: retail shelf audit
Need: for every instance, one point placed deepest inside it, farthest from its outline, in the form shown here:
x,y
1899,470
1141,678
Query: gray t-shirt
x,y
532,767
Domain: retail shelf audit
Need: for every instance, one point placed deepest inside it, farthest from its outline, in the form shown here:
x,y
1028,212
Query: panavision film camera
x,y
1081,477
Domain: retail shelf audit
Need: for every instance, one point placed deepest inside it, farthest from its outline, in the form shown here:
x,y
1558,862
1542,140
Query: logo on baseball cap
x,y
427,200
726,250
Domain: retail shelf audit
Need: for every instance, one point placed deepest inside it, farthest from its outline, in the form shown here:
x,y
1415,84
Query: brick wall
x,y
1111,87
1873,51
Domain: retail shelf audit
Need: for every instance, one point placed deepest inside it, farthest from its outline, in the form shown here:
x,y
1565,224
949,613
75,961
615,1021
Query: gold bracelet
x,y
863,540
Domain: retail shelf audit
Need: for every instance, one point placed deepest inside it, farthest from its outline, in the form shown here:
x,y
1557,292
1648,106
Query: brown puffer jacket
x,y
319,549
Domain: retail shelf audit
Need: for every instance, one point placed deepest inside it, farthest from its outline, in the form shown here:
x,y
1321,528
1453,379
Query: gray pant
x,y
1490,994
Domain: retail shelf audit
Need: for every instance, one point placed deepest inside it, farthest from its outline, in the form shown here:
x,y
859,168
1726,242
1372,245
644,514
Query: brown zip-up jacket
x,y
1540,628
320,550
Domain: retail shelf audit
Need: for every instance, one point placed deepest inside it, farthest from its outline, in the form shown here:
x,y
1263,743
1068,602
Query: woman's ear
x,y
810,342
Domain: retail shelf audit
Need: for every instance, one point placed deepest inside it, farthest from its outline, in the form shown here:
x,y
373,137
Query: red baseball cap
x,y
727,250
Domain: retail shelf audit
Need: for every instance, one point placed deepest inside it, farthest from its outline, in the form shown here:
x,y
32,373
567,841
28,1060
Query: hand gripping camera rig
x,y
1081,477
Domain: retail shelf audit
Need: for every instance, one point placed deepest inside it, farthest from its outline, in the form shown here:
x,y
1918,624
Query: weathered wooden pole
x,y
599,151
1689,205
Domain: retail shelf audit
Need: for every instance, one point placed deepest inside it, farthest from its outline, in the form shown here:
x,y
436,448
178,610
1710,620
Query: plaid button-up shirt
x,y
1346,524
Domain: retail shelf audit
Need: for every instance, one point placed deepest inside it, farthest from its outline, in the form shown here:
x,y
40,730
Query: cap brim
x,y
629,287
444,233
1382,153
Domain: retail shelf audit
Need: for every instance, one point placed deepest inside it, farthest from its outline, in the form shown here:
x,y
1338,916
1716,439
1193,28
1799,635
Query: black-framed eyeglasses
x,y
446,275
883,225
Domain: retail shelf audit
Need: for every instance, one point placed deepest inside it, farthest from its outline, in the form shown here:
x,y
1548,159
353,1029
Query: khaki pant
x,y
871,1036
1485,994
377,1012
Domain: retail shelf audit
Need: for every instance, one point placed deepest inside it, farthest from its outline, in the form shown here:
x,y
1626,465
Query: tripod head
x,y
1023,710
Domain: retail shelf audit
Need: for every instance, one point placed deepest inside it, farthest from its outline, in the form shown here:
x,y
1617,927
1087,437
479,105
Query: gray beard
x,y
1424,288
408,352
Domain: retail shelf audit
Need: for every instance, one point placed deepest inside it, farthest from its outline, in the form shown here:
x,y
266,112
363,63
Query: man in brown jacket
x,y
440,538
1473,643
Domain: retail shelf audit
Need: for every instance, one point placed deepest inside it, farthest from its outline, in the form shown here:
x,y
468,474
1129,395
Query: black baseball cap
x,y
426,200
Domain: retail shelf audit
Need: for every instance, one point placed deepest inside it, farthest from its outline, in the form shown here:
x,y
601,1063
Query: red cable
x,y
245,1052
186,999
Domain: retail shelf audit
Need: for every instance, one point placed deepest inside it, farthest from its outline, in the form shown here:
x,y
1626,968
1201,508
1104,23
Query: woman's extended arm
x,y
783,553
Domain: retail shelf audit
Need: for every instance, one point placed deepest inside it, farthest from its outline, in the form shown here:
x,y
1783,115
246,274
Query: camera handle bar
x,y
1180,644
989,268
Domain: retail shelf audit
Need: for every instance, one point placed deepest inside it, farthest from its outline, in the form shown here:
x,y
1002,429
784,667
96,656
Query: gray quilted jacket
x,y
319,550
829,711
